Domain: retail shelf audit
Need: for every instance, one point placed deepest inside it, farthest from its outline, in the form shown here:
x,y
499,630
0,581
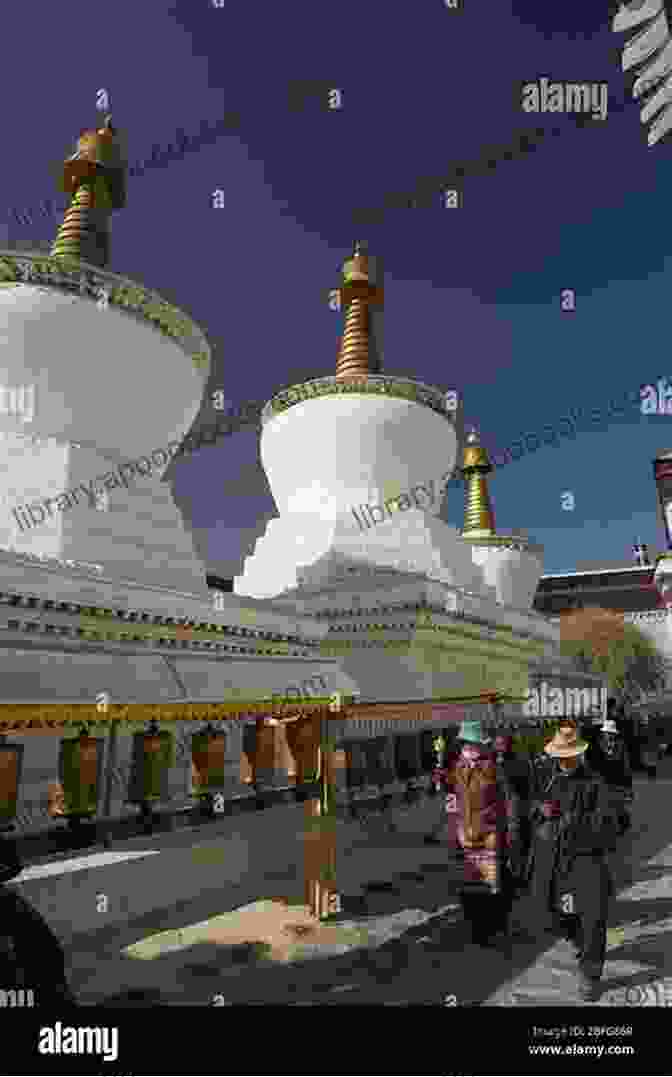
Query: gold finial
x,y
356,354
95,178
479,519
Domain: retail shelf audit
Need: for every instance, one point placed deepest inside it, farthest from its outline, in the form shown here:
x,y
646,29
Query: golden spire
x,y
356,355
479,520
94,176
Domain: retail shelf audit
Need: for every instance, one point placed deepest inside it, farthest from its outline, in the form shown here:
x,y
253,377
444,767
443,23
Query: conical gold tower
x,y
479,519
95,178
357,353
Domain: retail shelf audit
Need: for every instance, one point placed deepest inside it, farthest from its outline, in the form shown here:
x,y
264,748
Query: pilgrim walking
x,y
574,828
648,738
614,766
482,823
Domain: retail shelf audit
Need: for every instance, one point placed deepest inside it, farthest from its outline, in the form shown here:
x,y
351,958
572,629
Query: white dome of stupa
x,y
330,454
108,377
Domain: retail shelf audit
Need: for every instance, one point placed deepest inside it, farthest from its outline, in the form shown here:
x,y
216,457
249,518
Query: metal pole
x,y
109,776
102,705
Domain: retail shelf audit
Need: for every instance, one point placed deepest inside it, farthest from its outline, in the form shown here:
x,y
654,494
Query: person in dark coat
x,y
574,830
648,739
614,766
31,956
627,728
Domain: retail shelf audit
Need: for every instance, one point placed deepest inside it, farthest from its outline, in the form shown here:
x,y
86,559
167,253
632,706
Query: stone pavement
x,y
401,938
638,970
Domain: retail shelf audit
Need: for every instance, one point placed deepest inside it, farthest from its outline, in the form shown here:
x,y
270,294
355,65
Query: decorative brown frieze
x,y
45,716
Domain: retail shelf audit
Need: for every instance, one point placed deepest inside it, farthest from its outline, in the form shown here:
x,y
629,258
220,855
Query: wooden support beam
x,y
321,894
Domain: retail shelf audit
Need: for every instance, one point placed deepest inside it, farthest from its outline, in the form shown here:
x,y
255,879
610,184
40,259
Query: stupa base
x,y
298,551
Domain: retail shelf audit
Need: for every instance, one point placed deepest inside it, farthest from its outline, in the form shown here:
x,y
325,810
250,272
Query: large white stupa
x,y
358,466
108,373
340,452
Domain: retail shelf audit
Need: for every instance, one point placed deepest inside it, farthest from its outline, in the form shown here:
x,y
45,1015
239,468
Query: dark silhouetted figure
x,y
31,957
574,832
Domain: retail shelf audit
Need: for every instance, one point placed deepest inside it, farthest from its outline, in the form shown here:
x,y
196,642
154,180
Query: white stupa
x,y
96,371
358,466
341,452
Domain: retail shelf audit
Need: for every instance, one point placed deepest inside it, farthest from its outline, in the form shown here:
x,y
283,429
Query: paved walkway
x,y
638,970
402,940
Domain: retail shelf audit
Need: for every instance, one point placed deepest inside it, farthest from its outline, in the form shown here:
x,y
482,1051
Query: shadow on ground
x,y
425,965
414,946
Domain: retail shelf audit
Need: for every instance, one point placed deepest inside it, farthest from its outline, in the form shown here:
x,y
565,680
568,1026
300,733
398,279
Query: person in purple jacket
x,y
483,825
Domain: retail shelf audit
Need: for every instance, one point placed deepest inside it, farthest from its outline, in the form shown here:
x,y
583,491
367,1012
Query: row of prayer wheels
x,y
290,748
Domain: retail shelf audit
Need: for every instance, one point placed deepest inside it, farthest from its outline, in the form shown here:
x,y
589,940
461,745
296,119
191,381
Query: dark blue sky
x,y
472,295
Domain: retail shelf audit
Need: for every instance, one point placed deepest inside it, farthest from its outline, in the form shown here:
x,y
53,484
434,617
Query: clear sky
x,y
472,294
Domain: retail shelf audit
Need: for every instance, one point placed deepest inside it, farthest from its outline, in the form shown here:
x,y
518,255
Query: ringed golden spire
x,y
479,519
356,356
94,177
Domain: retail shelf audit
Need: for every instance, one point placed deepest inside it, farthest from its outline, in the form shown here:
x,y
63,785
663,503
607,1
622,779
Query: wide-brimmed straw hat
x,y
566,744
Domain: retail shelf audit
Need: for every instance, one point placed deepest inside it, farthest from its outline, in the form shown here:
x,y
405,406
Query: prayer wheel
x,y
355,764
208,752
11,758
380,768
80,771
265,750
303,738
153,756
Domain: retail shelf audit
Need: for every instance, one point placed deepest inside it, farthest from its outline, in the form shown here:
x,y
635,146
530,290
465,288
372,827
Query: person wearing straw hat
x,y
483,827
574,830
31,957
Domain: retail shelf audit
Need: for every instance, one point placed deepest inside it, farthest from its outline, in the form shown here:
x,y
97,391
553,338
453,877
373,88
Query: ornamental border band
x,y
533,834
